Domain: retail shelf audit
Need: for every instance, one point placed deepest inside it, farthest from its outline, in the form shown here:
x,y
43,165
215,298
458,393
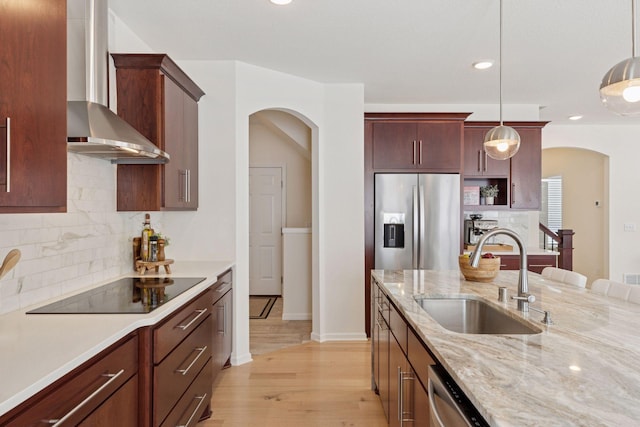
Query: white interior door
x,y
265,231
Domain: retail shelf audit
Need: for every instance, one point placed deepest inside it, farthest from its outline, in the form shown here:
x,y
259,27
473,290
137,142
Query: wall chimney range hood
x,y
92,128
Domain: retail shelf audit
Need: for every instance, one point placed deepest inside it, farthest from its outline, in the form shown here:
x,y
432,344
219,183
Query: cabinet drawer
x,y
78,394
381,303
419,358
222,286
191,406
181,324
173,376
399,328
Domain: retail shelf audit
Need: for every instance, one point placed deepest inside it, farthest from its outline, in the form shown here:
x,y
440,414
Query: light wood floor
x,y
273,333
293,382
306,385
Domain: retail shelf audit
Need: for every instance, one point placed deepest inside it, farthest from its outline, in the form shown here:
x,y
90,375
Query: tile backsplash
x,y
63,252
518,221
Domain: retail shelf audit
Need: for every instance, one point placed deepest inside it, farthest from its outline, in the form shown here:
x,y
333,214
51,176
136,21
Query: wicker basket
x,y
486,271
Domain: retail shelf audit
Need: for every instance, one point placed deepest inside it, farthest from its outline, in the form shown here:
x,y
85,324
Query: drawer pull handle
x,y
200,314
200,351
8,127
112,378
195,412
224,288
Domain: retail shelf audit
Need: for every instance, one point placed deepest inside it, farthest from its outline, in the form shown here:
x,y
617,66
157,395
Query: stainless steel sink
x,y
473,316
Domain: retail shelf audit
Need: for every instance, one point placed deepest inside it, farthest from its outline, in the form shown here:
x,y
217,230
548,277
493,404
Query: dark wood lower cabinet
x,y
121,409
535,263
85,395
400,366
160,375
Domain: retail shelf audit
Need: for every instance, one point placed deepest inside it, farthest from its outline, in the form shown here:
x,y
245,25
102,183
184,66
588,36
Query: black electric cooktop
x,y
129,295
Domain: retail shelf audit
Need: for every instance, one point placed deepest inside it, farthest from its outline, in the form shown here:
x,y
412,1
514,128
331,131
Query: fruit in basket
x,y
488,255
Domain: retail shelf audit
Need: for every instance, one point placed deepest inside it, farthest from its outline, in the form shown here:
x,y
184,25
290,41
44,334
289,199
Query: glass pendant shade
x,y
620,88
501,142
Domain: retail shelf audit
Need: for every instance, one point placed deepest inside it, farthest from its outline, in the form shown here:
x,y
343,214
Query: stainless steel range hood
x,y
92,128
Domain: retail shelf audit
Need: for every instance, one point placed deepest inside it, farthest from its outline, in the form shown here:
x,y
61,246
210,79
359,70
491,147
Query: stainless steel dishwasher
x,y
448,405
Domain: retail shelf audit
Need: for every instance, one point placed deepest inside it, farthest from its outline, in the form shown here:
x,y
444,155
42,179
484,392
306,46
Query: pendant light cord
x,y
633,28
500,59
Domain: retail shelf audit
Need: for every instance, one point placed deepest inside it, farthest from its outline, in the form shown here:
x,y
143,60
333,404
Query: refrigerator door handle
x,y
421,228
416,222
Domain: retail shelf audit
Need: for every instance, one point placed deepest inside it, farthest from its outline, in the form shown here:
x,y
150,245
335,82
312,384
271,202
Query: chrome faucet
x,y
524,297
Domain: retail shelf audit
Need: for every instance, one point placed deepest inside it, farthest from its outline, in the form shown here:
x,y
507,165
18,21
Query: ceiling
x,y
555,52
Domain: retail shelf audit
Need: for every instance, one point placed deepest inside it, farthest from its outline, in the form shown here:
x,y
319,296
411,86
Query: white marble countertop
x,y
38,349
582,371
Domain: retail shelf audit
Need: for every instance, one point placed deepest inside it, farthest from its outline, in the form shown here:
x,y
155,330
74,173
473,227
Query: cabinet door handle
x,y
8,133
200,351
400,395
195,412
486,160
540,265
200,314
420,151
402,376
513,192
187,186
112,378
414,152
479,160
222,308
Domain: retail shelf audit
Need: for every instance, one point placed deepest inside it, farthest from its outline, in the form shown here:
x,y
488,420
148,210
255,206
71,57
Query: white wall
x,y
583,182
268,149
622,145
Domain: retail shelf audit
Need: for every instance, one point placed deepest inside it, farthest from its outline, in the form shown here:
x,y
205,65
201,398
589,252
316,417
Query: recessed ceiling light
x,y
483,65
280,2
575,368
575,117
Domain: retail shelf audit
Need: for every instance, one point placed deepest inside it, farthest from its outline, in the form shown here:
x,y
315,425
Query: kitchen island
x,y
38,349
580,371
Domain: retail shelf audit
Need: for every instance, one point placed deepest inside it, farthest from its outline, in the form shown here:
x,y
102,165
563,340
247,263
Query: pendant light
x,y
501,142
620,87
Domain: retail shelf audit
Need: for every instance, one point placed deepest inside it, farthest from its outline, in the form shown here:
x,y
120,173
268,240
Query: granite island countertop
x,y
582,371
38,349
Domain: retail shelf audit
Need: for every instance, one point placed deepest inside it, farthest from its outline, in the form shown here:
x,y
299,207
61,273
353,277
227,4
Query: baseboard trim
x,y
296,316
341,336
241,360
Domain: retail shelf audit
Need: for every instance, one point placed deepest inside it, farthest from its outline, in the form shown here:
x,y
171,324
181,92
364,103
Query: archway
x,y
280,149
585,205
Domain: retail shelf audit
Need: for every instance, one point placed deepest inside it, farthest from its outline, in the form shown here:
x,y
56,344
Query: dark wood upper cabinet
x,y
519,178
33,107
417,142
158,99
476,160
526,170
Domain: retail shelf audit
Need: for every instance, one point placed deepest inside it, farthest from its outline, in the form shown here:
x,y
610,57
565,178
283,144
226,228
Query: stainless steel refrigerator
x,y
417,221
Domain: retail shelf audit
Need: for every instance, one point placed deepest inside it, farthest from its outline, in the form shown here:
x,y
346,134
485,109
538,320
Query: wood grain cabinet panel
x,y
222,316
83,395
420,146
193,403
180,368
400,364
526,170
175,329
535,263
33,107
158,99
476,160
